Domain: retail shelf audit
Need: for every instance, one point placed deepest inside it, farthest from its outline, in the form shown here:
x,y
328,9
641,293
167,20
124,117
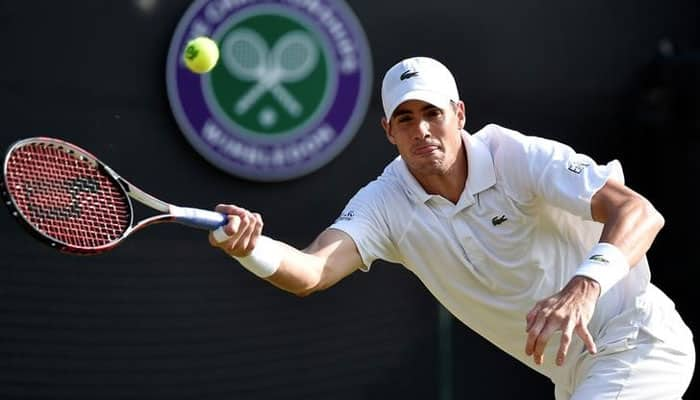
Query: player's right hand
x,y
243,230
569,311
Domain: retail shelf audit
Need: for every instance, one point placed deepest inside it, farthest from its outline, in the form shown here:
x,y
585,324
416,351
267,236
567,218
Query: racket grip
x,y
198,218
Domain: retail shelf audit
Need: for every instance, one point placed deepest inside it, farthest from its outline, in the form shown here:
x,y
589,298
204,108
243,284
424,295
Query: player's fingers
x,y
232,244
231,209
585,335
542,340
565,341
233,225
533,332
221,236
256,232
223,208
247,233
242,245
225,232
530,318
259,220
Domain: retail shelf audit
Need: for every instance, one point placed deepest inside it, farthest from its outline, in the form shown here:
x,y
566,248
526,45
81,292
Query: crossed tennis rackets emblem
x,y
246,55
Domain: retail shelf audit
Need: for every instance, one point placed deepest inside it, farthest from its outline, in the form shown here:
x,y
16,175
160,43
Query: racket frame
x,y
193,217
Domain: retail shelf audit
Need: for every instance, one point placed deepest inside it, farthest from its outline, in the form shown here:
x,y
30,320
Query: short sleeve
x,y
365,219
537,168
567,179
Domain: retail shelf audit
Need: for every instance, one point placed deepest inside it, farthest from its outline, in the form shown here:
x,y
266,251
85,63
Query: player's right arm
x,y
329,258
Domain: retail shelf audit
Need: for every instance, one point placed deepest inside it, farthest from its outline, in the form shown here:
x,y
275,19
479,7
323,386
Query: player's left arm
x,y
630,225
631,222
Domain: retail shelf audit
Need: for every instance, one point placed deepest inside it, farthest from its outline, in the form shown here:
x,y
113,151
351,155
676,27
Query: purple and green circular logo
x,y
289,92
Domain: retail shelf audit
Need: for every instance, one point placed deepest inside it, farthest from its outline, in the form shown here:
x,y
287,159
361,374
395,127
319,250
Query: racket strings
x,y
66,198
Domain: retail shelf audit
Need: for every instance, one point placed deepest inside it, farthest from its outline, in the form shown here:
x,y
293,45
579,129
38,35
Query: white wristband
x,y
265,258
605,264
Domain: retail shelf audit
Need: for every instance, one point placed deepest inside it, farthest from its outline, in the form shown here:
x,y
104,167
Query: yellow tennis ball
x,y
201,54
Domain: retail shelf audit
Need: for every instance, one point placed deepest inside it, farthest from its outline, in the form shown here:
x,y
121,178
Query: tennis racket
x,y
74,202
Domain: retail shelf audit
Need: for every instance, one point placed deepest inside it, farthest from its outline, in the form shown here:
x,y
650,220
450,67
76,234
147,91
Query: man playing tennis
x,y
536,247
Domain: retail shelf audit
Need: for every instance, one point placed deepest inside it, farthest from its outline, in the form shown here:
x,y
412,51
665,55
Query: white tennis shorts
x,y
645,352
643,368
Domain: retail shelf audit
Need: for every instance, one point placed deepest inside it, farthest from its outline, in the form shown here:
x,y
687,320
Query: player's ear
x,y
387,130
460,110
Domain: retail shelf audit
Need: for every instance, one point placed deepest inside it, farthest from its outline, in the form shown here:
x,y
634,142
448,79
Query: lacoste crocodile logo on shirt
x,y
499,220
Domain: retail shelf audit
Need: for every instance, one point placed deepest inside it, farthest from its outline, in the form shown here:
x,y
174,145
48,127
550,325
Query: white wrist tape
x,y
265,258
606,264
220,235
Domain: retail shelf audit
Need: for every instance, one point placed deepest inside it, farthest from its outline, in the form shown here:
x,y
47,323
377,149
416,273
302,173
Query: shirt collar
x,y
481,173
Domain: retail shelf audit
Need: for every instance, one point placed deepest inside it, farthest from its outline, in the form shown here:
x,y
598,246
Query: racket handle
x,y
198,218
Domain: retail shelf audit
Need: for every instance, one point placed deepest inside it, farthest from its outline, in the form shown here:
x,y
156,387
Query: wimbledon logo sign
x,y
289,92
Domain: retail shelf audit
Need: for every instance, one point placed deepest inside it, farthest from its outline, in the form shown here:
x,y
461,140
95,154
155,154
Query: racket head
x,y
65,196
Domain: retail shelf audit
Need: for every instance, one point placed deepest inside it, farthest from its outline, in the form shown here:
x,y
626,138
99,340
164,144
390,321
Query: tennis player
x,y
536,247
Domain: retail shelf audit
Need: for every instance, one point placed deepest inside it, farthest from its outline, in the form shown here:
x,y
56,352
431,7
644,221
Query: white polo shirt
x,y
518,232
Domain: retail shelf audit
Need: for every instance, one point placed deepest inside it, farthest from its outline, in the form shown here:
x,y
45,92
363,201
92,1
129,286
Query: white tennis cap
x,y
418,78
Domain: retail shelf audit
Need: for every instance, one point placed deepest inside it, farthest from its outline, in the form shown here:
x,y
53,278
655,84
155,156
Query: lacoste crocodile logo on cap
x,y
408,74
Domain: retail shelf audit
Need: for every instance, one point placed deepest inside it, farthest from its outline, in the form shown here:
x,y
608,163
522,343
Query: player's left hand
x,y
567,311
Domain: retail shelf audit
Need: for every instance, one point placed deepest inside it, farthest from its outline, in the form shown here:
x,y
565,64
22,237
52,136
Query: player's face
x,y
428,138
